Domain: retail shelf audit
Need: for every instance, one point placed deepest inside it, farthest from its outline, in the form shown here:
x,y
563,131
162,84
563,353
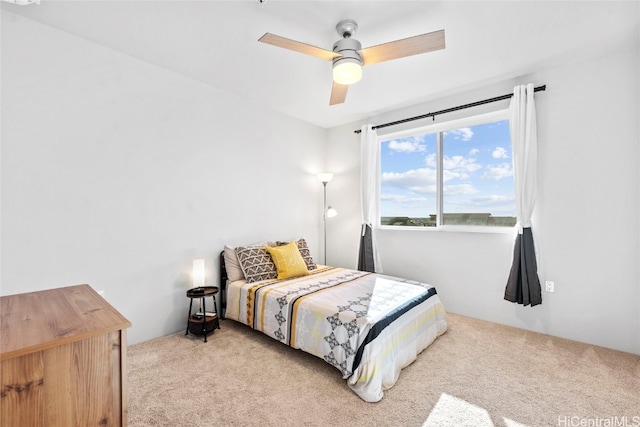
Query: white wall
x,y
118,173
586,222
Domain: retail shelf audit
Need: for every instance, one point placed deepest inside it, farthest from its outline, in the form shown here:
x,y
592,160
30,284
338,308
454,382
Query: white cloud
x,y
401,199
448,175
460,163
474,152
407,146
497,172
484,201
420,181
451,190
493,200
407,205
454,167
454,164
464,134
500,153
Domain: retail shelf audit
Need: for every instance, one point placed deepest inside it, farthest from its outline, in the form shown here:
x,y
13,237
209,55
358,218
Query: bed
x,y
368,326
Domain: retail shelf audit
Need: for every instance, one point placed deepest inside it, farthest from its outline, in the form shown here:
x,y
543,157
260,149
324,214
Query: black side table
x,y
205,322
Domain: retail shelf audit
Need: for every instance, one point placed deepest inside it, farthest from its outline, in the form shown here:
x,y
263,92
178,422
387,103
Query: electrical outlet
x,y
549,286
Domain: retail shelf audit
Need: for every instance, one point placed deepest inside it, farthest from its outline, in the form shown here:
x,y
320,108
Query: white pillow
x,y
232,265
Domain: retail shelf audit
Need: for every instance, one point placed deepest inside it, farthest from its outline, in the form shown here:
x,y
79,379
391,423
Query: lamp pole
x,y
324,178
324,216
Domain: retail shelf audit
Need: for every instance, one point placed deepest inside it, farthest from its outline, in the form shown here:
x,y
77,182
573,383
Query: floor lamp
x,y
328,211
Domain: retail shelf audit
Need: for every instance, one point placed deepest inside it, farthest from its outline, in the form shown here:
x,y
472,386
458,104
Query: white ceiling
x,y
215,42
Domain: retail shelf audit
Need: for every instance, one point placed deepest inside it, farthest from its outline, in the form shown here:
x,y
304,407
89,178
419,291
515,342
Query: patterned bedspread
x,y
366,325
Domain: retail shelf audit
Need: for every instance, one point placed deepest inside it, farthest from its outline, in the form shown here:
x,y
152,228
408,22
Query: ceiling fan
x,y
348,57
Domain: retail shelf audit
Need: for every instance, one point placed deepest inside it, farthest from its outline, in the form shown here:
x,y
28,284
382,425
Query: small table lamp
x,y
198,273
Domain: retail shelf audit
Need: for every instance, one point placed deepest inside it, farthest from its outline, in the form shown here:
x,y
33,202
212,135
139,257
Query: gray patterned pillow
x,y
256,263
305,252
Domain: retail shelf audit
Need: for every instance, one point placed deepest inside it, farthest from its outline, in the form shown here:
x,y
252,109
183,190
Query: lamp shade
x,y
331,212
347,71
198,273
325,177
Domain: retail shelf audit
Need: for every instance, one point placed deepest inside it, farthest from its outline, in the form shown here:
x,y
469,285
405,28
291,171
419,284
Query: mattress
x,y
368,326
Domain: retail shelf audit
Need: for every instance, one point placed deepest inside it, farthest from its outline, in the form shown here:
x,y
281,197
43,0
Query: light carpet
x,y
476,374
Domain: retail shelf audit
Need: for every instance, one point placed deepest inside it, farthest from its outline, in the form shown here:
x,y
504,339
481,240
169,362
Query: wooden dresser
x,y
62,359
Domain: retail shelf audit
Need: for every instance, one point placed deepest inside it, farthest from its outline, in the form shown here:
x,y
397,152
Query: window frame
x,y
439,129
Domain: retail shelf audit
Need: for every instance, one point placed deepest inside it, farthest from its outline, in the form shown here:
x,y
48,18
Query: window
x,y
458,173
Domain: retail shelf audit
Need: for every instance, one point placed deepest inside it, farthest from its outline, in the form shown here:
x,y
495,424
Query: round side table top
x,y
202,291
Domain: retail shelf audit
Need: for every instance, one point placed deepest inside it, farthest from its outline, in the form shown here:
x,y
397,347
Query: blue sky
x,y
477,172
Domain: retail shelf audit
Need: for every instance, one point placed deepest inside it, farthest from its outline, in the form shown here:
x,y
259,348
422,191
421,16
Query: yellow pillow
x,y
289,263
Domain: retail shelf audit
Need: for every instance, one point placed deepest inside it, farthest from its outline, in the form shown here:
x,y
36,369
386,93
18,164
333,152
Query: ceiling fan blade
x,y
338,93
297,46
405,47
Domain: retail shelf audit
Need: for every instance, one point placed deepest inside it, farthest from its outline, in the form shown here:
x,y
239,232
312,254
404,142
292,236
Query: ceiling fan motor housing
x,y
348,49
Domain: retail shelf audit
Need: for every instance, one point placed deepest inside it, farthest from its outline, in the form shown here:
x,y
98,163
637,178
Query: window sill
x,y
454,229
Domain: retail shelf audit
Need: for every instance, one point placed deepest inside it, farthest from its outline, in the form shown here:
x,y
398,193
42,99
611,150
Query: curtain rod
x,y
449,110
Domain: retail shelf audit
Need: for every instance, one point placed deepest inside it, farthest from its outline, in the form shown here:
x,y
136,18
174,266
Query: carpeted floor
x,y
477,374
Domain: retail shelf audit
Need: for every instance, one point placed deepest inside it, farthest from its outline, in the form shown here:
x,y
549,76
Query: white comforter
x,y
367,325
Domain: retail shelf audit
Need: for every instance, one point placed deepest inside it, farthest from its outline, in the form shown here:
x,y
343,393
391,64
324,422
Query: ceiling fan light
x,y
347,71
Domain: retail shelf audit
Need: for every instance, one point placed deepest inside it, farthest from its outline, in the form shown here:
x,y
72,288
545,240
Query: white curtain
x,y
369,259
523,286
524,142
